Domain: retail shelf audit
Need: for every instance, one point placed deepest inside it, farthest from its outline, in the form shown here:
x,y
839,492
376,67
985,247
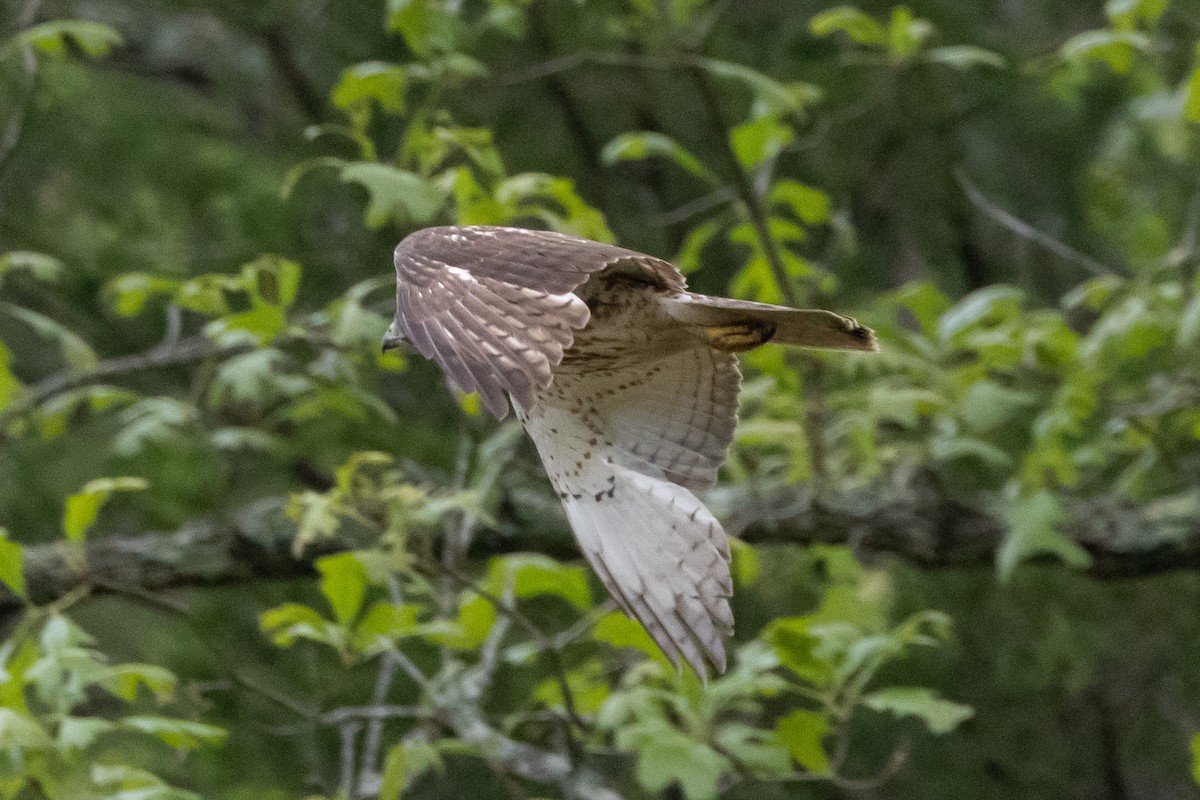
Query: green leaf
x,y
258,326
1117,49
758,750
19,732
745,562
152,420
344,584
771,95
759,140
532,574
427,26
12,565
94,38
394,194
688,257
183,734
857,25
902,405
810,205
906,33
797,647
951,448
666,756
588,684
371,81
1127,14
405,762
939,715
83,506
77,353
965,57
383,624
257,380
129,292
137,783
39,265
10,387
476,616
286,623
619,630
1093,294
802,733
78,733
1188,334
1196,758
926,302
1191,95
636,146
555,201
205,294
123,681
1130,331
272,279
986,405
983,305
1033,522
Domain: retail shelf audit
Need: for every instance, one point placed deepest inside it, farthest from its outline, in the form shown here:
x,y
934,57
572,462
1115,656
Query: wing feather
x,y
495,306
621,463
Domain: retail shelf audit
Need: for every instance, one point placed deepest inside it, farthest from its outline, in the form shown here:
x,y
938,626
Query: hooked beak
x,y
394,337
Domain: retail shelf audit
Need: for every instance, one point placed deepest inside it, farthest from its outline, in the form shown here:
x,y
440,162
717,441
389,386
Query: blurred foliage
x,y
197,205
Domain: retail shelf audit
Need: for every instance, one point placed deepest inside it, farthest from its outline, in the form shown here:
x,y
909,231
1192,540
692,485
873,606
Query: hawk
x,y
628,385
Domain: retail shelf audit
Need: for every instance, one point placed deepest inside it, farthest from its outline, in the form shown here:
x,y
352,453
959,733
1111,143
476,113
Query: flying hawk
x,y
626,382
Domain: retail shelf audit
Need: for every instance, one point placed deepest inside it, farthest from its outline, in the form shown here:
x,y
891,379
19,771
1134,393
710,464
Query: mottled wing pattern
x,y
494,306
677,423
621,460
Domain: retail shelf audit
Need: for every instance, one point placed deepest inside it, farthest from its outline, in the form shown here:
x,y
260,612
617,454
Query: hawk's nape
x,y
626,382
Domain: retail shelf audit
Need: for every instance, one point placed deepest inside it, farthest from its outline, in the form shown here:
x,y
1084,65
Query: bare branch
x,y
911,518
1026,231
168,353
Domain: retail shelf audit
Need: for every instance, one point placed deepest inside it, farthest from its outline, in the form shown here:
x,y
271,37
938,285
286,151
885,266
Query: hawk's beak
x,y
394,337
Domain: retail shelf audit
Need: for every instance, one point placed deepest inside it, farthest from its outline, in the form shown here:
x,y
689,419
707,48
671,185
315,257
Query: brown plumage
x,y
626,382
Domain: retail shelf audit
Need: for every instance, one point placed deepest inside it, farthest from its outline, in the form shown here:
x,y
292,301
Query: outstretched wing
x,y
617,447
495,308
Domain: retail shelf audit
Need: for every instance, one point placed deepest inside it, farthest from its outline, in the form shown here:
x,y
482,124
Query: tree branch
x,y
170,352
1026,231
912,519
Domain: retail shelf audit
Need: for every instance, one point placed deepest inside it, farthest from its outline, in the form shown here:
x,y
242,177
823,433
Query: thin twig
x,y
1029,233
295,706
490,651
373,713
376,714
749,198
813,370
410,669
546,645
348,733
195,348
593,58
138,593
693,207
373,738
16,123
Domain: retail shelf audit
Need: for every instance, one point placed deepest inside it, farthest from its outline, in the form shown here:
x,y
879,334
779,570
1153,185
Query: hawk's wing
x,y
494,306
617,460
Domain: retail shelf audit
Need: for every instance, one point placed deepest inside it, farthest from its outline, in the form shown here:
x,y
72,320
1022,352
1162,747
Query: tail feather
x,y
803,327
